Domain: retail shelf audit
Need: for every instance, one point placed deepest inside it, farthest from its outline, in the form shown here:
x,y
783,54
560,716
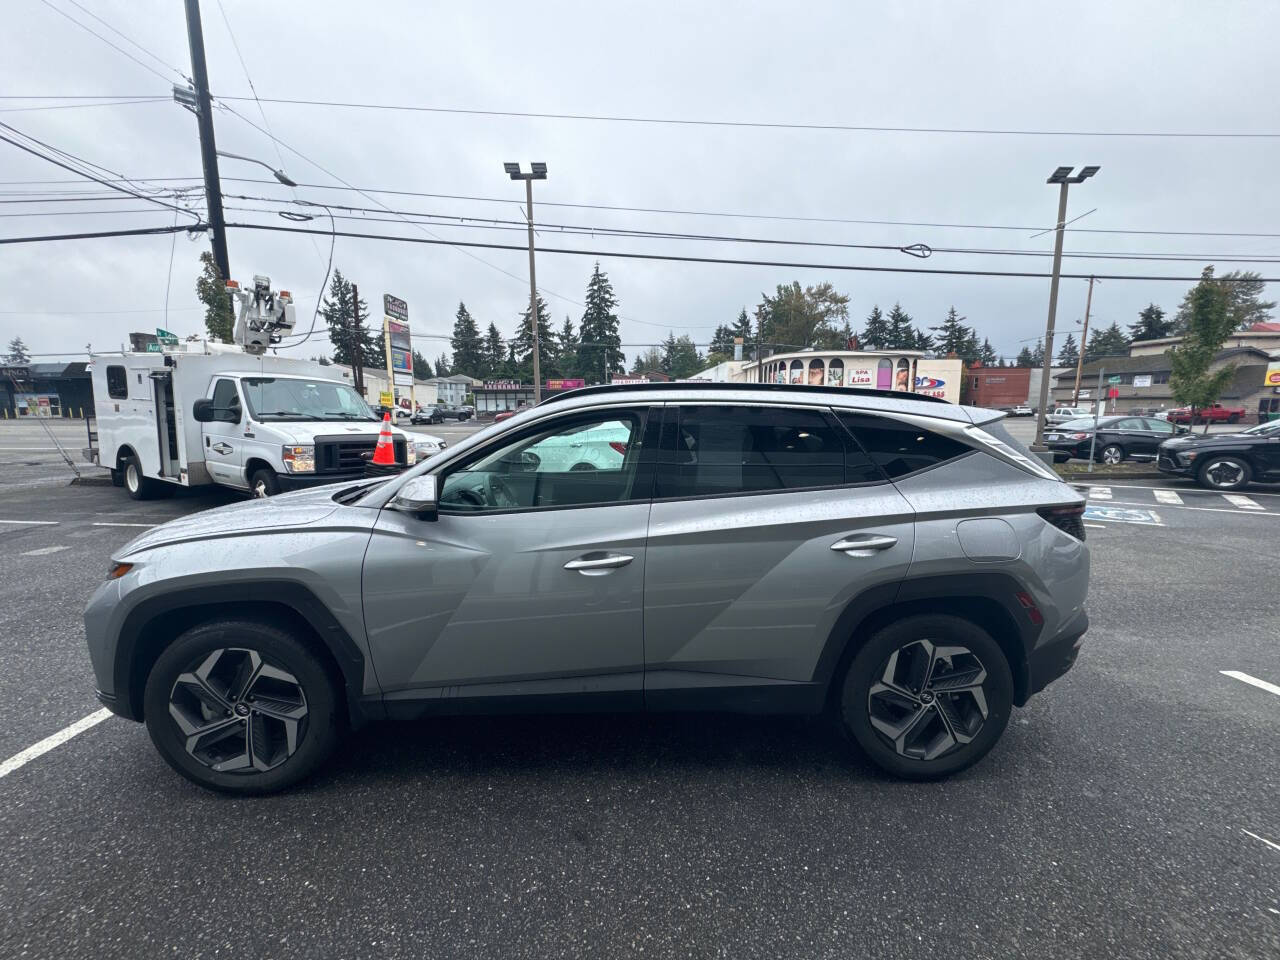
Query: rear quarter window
x,y
117,383
899,448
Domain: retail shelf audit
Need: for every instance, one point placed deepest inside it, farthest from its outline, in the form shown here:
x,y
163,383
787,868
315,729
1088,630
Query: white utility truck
x,y
199,413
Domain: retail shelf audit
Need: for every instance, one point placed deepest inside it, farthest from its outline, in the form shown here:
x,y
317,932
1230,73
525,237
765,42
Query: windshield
x,y
298,398
1264,429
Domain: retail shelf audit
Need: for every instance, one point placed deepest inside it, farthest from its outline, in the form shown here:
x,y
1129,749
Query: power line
x,y
129,40
617,254
766,125
118,49
81,106
141,232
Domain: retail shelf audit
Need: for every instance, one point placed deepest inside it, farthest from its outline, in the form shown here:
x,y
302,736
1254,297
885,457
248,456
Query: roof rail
x,y
697,385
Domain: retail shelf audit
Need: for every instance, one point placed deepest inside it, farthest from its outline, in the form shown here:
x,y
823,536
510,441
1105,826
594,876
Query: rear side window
x,y
898,448
117,383
725,450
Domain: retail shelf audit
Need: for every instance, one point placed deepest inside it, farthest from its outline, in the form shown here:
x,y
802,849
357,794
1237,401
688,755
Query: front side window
x,y
298,398
577,461
225,397
117,383
725,450
899,448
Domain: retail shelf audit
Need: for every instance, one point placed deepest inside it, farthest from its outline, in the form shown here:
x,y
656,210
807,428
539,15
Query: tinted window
x,y
721,450
899,448
225,397
1159,426
576,461
117,383
1128,423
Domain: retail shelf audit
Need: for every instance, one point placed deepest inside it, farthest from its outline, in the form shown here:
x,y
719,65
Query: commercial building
x,y
377,387
453,391
1260,336
1142,382
45,390
999,388
907,370
497,396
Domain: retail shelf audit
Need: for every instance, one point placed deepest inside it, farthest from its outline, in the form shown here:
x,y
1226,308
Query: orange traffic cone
x,y
384,454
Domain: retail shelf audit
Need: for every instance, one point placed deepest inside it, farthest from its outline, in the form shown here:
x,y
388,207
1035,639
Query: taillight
x,y
619,447
1028,604
1068,519
1079,436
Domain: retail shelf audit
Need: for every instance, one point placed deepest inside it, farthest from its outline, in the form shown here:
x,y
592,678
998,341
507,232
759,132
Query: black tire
x,y
264,483
317,732
1234,418
136,485
117,477
1222,472
1061,457
1117,451
868,667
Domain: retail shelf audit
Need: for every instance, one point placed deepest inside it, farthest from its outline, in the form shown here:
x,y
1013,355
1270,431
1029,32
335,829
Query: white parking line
x,y
1171,506
106,524
1244,503
48,743
1096,526
33,523
44,551
1099,493
1144,486
1254,681
1166,496
1273,846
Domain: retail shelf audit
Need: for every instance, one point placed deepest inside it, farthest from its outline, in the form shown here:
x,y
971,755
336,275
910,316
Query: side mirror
x,y
418,496
202,410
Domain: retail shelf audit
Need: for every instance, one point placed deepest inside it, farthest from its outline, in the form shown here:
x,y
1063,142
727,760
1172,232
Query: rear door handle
x,y
863,544
595,564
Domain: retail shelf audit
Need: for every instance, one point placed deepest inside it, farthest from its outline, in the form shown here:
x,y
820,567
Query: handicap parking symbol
x,y
1123,515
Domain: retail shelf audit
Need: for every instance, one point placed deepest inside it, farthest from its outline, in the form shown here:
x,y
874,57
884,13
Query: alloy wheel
x,y
237,713
1224,473
1112,455
929,699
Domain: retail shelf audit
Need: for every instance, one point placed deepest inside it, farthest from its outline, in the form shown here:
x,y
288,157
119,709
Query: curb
x,y
1107,475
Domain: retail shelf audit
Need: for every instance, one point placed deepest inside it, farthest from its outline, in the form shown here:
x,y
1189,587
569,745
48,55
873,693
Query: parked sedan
x,y
1119,438
1225,461
430,414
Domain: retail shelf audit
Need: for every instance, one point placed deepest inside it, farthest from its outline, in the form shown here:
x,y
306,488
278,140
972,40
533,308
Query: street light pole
x,y
1075,394
1061,176
538,171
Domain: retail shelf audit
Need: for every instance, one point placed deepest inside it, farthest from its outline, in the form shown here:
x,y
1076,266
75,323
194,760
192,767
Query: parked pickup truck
x,y
1214,414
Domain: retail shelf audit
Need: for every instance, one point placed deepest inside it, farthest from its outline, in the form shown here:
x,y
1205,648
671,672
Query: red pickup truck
x,y
1214,414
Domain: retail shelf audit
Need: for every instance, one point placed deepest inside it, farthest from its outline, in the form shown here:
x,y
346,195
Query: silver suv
x,y
895,560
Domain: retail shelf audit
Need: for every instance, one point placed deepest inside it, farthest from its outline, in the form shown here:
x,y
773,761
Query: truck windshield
x,y
297,398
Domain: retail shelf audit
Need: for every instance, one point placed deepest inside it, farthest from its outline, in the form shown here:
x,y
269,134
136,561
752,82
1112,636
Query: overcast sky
x,y
1082,66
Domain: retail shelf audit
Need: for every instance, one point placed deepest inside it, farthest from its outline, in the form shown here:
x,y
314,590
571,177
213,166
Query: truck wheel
x,y
1234,418
136,485
264,483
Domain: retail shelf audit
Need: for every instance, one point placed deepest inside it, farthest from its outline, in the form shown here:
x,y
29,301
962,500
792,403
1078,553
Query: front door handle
x,y
863,544
594,564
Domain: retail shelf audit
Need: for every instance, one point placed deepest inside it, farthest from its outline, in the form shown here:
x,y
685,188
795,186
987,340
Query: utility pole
x,y
208,146
538,172
357,354
1084,336
1061,176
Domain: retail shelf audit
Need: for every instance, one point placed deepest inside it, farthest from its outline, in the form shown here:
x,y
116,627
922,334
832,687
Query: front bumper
x,y
1167,463
304,481
1050,660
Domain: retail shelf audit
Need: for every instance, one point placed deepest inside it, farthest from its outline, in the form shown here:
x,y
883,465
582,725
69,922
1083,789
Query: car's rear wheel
x,y
1224,473
241,707
1112,454
927,696
139,486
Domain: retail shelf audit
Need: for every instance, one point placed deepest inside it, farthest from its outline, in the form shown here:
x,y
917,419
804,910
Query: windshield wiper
x,y
343,415
291,413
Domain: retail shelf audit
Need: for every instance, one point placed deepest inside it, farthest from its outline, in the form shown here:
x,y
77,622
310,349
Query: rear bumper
x,y
1050,660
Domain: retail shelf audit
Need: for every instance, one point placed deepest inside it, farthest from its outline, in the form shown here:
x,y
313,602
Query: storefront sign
x,y
860,376
1273,375
1142,379
570,384
24,373
627,380
401,360
939,378
503,385
395,307
385,398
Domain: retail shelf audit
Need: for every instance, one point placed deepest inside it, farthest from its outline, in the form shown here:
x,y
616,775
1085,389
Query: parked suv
x,y
897,561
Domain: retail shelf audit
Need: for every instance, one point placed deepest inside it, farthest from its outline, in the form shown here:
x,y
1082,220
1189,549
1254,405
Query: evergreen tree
x,y
18,352
876,334
211,290
1209,322
988,353
442,365
347,333
970,350
323,361
522,343
467,343
743,327
1069,353
952,335
901,333
1024,358
1151,324
495,355
421,367
680,357
722,343
649,360
1242,290
1108,342
567,349
1037,355
600,353
921,341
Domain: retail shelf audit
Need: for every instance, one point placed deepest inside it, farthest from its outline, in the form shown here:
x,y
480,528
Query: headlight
x,y
426,448
300,458
411,453
1187,455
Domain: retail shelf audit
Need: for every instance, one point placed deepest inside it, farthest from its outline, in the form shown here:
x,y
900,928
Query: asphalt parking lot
x,y
1130,810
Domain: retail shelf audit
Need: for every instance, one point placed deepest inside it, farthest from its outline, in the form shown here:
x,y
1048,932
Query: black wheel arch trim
x,y
982,595
228,599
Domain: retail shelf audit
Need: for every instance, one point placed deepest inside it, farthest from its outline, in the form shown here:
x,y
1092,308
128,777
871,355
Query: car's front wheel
x,y
1224,473
241,707
264,483
927,696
